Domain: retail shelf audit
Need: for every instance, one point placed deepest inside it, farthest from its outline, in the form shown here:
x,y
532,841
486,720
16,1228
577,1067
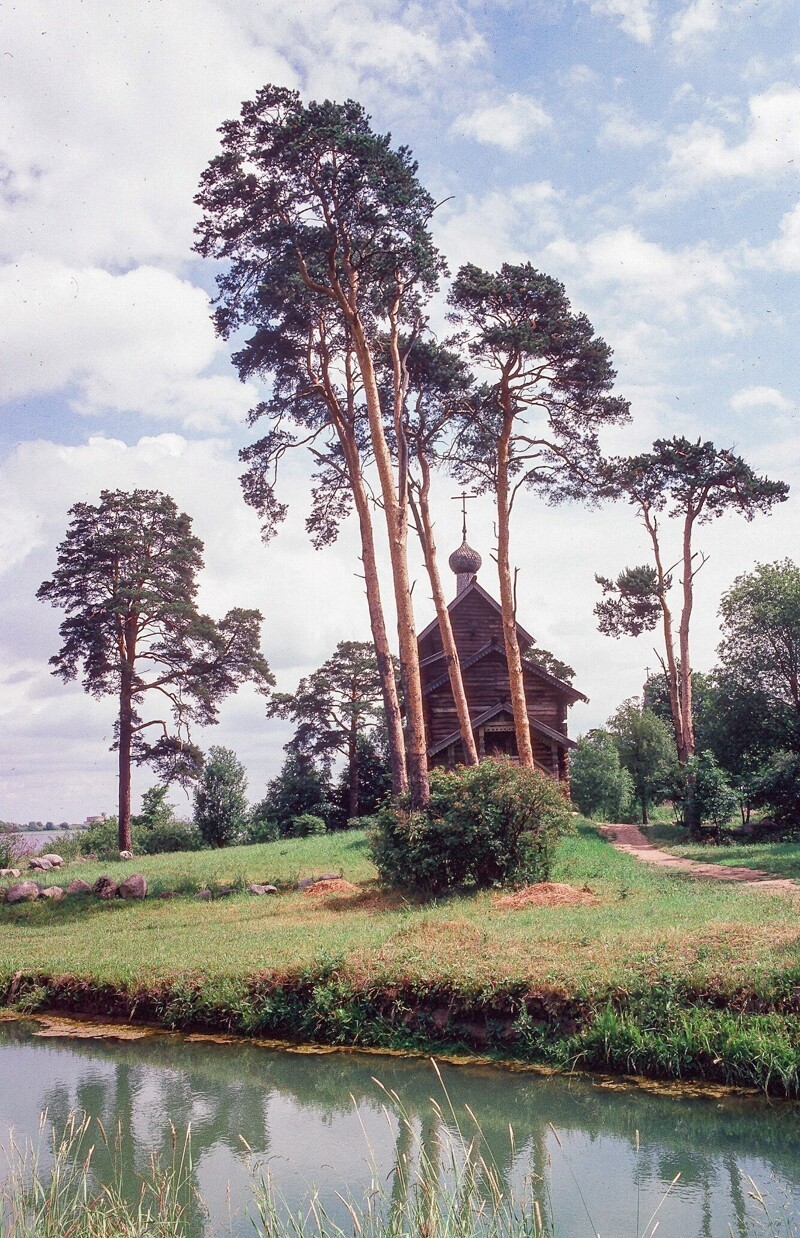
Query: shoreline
x,y
84,1027
617,1036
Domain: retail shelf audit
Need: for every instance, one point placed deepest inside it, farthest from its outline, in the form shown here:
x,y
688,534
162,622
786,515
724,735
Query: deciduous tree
x,y
126,576
220,798
645,751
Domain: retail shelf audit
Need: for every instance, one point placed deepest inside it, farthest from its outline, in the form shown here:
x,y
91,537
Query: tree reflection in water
x,y
301,1113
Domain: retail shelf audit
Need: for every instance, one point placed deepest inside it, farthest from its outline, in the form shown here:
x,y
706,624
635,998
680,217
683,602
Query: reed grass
x,y
67,1199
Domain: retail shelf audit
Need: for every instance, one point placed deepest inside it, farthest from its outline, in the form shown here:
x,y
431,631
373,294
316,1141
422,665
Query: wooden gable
x,y
478,631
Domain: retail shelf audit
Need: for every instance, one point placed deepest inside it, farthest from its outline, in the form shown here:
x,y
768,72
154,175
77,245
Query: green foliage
x,y
7,847
778,788
299,788
101,839
646,750
486,824
261,829
632,603
220,801
374,780
305,825
598,783
174,835
126,576
713,799
760,649
155,810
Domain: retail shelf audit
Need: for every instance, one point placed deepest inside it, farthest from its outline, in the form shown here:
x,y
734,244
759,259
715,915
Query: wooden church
x,y
478,631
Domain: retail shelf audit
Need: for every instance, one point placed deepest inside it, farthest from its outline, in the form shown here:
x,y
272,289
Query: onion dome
x,y
465,561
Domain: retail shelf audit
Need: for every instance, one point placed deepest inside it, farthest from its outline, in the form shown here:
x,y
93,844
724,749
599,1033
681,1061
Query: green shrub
x,y
8,848
261,830
710,797
306,824
486,824
173,835
101,839
778,788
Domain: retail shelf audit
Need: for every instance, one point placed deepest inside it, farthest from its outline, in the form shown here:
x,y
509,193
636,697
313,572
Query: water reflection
x,y
320,1119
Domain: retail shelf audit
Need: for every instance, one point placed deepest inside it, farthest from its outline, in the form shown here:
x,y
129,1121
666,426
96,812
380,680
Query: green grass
x,y
781,858
375,968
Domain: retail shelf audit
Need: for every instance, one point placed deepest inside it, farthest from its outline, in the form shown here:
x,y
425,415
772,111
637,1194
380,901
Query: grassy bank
x,y
781,858
661,976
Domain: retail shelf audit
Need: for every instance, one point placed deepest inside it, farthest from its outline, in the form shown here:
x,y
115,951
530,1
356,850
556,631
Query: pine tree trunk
x,y
396,513
513,657
125,739
687,712
352,761
383,655
426,536
671,669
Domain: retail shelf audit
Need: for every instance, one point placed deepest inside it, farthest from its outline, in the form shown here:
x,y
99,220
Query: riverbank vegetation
x,y
660,975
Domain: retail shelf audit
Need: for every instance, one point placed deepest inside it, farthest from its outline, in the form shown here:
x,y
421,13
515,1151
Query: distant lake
x,y
45,840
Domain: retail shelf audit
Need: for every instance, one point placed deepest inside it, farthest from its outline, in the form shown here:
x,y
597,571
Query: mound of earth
x,y
332,885
546,894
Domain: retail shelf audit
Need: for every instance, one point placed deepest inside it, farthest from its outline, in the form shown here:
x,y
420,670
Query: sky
x,y
645,153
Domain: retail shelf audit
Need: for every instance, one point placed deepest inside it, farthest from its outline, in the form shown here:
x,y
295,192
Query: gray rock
x,y
205,895
22,892
225,891
105,887
126,855
53,892
328,877
55,860
39,864
134,886
79,886
168,894
304,883
256,888
9,872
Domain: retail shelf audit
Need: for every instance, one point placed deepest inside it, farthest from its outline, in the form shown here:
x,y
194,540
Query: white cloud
x,y
699,18
501,226
621,128
509,124
138,342
771,147
107,118
783,253
636,17
748,399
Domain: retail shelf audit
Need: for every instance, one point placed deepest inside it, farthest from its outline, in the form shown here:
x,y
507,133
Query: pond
x,y
599,1156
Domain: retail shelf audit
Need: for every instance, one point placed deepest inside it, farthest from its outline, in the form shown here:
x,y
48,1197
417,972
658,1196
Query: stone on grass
x,y
9,872
205,895
126,855
40,864
22,892
55,860
225,891
304,883
168,894
257,888
79,886
105,887
328,877
53,892
134,886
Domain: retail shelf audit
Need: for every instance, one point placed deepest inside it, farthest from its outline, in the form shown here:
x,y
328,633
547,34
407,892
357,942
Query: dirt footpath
x,y
629,838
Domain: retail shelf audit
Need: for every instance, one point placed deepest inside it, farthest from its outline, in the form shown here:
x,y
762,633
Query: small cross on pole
x,y
462,498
